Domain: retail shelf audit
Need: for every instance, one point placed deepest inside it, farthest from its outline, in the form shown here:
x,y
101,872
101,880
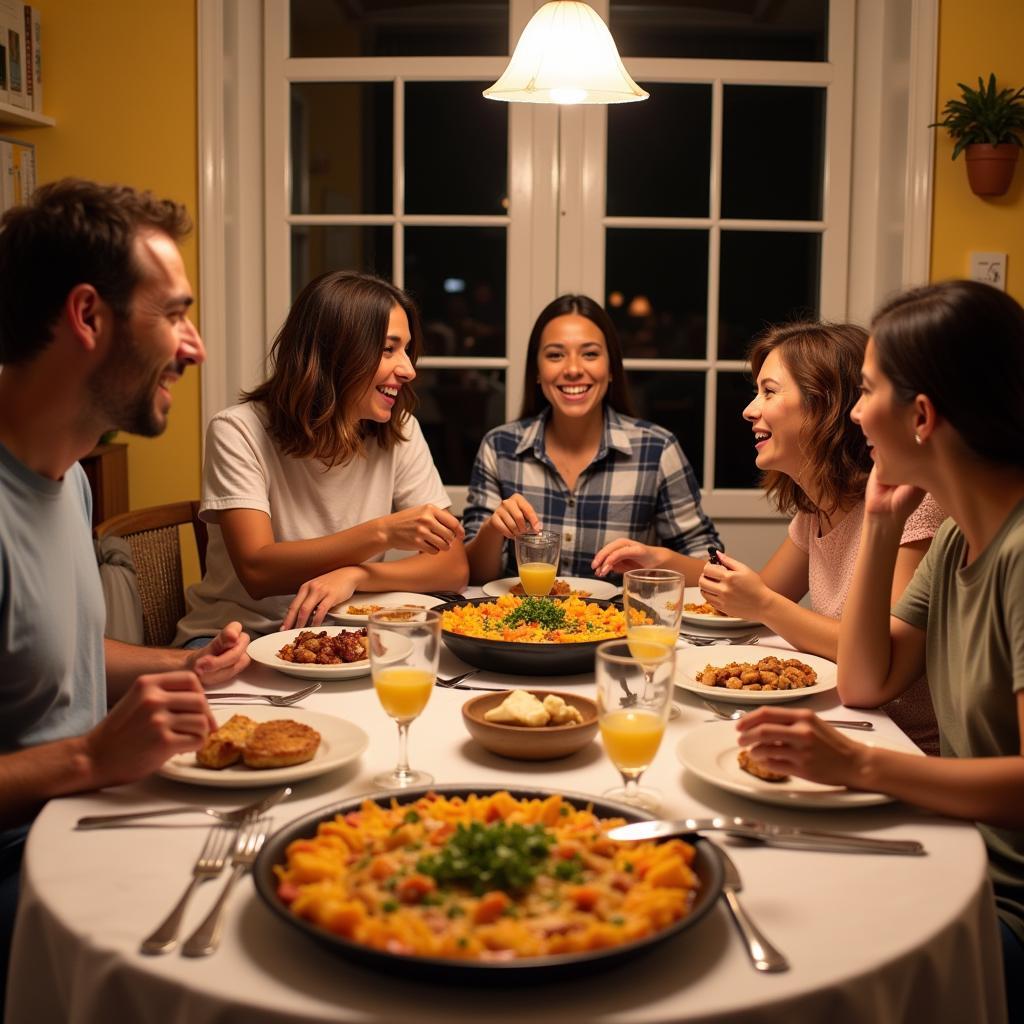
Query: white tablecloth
x,y
879,939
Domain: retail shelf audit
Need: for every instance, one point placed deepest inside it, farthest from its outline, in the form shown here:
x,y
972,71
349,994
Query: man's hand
x,y
161,715
425,528
514,516
222,658
316,597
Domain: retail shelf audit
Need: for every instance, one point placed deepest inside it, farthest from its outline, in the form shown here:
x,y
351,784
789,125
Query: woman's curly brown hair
x,y
825,361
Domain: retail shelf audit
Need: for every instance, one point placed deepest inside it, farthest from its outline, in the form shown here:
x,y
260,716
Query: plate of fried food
x,y
360,606
749,674
712,752
325,652
268,746
601,590
482,886
697,612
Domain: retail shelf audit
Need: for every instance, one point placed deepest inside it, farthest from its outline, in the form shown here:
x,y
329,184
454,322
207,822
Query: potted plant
x,y
986,124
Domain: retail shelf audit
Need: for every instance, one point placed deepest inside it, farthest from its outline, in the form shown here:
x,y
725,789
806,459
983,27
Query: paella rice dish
x,y
537,620
487,878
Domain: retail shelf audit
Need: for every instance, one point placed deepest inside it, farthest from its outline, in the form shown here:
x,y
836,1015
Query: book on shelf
x,y
3,68
34,60
12,27
17,172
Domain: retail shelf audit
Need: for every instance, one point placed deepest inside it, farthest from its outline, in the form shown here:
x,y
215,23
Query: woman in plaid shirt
x,y
577,462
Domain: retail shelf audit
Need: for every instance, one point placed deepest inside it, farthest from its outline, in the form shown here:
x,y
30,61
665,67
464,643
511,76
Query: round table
x,y
870,938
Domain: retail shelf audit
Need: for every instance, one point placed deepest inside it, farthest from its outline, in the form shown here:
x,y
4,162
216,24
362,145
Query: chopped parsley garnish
x,y
389,906
539,611
485,857
570,870
411,817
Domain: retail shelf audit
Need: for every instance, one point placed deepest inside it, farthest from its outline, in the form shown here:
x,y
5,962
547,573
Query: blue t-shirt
x,y
52,673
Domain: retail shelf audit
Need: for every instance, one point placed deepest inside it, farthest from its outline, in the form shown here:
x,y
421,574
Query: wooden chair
x,y
152,534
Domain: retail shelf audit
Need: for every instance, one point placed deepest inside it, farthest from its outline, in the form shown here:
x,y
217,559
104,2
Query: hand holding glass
x,y
633,701
537,557
403,661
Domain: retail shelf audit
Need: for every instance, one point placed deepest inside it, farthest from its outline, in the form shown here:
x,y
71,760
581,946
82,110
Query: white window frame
x,y
245,221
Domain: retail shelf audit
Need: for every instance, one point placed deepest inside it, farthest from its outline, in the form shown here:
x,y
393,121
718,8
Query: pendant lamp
x,y
566,55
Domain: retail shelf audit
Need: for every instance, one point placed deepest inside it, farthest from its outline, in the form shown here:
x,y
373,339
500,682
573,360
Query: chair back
x,y
152,534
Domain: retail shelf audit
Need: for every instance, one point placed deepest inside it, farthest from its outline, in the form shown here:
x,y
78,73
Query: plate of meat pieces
x,y
324,652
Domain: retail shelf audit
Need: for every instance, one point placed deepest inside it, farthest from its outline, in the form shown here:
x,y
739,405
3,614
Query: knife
x,y
774,835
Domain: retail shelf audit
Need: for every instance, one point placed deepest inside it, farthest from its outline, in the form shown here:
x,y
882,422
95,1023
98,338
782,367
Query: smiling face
x,y
888,427
395,371
572,366
151,347
777,418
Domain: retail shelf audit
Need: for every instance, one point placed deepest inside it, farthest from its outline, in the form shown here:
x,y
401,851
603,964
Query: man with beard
x,y
94,330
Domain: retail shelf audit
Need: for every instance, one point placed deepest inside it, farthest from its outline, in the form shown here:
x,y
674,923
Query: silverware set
x,y
706,640
286,701
456,683
763,955
239,816
734,713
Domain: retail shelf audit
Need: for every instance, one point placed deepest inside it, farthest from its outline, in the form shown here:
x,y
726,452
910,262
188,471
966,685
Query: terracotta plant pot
x,y
990,168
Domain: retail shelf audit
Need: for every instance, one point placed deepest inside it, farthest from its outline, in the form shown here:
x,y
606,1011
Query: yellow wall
x,y
119,77
976,38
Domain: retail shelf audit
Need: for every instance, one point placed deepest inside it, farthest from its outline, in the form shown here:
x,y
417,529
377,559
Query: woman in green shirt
x,y
942,407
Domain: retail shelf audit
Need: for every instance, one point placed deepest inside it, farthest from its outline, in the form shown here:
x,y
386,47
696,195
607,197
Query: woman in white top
x,y
322,469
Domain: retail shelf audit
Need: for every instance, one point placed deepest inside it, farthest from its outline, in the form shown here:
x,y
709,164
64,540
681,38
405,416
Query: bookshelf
x,y
16,117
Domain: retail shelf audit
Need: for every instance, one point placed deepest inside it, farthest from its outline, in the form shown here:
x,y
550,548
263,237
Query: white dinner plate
x,y
599,590
692,595
389,599
265,648
340,742
691,660
710,752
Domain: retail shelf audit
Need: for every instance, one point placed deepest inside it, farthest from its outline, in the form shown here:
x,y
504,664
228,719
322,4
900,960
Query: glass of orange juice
x,y
633,702
403,661
537,557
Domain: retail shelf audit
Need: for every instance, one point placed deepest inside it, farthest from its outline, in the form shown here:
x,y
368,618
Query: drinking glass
x,y
633,700
403,661
537,558
653,603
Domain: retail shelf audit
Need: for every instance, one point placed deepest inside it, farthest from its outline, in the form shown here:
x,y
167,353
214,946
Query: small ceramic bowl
x,y
530,743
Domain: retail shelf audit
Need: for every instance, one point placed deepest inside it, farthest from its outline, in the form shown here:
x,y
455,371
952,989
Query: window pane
x,y
457,275
341,141
672,131
447,168
734,442
392,28
722,29
316,250
767,172
657,291
766,278
479,397
674,400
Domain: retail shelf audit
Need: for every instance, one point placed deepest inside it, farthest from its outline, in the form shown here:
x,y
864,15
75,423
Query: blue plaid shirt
x,y
640,485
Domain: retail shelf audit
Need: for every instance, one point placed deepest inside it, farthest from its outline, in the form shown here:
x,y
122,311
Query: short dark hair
x,y
824,360
579,305
72,232
322,361
961,343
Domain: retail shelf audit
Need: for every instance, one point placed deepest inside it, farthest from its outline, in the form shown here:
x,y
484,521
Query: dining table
x,y
885,939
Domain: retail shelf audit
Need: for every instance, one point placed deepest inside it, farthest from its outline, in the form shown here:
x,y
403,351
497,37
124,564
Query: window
x,y
714,208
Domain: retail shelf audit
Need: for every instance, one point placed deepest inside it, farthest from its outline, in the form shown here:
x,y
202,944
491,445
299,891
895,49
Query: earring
x,y
917,438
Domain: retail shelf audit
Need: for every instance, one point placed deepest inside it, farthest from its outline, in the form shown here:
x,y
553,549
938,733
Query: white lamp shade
x,y
565,55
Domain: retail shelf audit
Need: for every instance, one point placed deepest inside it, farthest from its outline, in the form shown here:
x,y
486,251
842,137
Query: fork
x,y
271,698
209,864
206,938
735,714
701,640
456,683
763,955
236,817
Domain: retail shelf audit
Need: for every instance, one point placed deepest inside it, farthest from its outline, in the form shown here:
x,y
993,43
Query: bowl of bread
x,y
531,725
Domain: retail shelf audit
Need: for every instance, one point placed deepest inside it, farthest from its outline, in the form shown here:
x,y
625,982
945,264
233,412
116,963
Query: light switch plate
x,y
989,268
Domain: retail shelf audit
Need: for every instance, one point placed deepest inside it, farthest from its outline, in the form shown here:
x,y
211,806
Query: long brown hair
x,y
323,360
580,305
824,360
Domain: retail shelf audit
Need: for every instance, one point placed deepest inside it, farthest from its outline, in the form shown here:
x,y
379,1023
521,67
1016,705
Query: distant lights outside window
x,y
454,285
616,299
640,305
566,55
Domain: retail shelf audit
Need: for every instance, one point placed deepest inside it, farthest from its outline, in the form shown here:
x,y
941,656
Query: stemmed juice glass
x,y
633,701
653,602
403,660
537,557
